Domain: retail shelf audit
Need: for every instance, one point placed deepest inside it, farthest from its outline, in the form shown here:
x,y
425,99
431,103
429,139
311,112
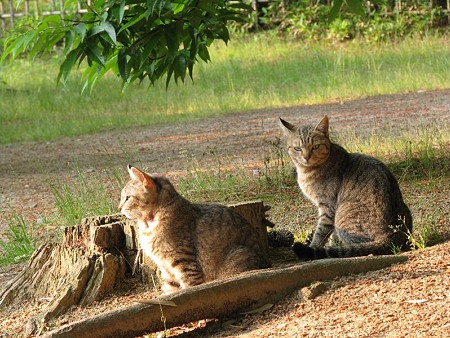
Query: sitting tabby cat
x,y
190,243
358,199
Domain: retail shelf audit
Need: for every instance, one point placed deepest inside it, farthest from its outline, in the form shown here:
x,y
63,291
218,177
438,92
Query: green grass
x,y
256,71
87,197
19,242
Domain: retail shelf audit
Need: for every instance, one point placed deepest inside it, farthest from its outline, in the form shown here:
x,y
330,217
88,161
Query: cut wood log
x,y
254,213
218,298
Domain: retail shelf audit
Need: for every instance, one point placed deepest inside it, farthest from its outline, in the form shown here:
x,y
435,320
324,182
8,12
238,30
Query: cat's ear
x,y
140,176
323,125
287,128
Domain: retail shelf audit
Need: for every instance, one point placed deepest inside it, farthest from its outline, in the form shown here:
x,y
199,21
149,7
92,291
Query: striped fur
x,y
190,243
359,202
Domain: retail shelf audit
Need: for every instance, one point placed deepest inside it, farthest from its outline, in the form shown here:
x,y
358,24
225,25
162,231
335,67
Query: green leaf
x,y
207,6
356,6
38,46
80,29
67,66
157,6
122,65
94,54
55,19
106,37
196,20
96,30
193,46
70,35
223,34
107,67
151,43
20,44
178,7
118,11
171,38
169,74
109,28
337,4
180,67
191,70
203,53
131,23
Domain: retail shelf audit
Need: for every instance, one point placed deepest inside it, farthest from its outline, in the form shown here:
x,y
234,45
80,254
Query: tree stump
x,y
93,257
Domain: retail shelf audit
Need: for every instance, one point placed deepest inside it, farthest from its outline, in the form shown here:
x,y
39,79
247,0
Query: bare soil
x,y
409,300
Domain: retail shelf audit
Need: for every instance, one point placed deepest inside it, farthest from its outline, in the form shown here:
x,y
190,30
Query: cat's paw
x,y
170,286
280,238
303,252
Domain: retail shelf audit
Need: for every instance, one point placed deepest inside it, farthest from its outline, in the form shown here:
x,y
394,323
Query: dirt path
x,y
366,306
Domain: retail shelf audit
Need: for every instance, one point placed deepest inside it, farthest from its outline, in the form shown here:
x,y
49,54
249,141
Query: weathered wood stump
x,y
92,258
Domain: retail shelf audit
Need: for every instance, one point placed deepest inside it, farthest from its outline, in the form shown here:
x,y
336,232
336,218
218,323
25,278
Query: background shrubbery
x,y
311,20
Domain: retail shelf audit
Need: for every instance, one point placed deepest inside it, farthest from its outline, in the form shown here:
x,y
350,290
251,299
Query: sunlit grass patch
x,y
252,72
19,241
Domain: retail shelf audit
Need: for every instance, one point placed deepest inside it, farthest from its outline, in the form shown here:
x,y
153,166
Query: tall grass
x,y
256,71
88,196
412,152
19,242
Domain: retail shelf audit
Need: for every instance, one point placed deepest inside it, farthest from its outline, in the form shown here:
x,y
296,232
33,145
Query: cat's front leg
x,y
324,228
195,277
169,287
187,272
169,284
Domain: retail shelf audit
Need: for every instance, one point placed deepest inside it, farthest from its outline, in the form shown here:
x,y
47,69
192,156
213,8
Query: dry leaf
x,y
416,301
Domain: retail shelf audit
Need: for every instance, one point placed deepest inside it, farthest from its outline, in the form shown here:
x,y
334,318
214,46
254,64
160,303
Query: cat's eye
x,y
316,146
298,149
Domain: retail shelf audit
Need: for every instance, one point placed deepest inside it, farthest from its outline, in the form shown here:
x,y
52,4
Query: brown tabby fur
x,y
190,243
358,199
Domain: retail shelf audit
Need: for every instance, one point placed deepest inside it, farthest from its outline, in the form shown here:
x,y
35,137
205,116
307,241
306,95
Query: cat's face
x,y
307,146
139,196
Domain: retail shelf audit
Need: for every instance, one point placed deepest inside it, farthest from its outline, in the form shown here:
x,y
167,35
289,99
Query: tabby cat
x,y
190,243
358,199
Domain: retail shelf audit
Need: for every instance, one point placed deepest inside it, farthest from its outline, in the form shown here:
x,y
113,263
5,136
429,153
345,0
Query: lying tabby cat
x,y
190,243
358,199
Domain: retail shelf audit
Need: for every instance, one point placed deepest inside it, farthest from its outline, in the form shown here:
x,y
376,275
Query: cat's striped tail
x,y
307,253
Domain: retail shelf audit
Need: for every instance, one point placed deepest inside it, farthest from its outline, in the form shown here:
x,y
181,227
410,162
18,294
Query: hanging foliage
x,y
136,39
